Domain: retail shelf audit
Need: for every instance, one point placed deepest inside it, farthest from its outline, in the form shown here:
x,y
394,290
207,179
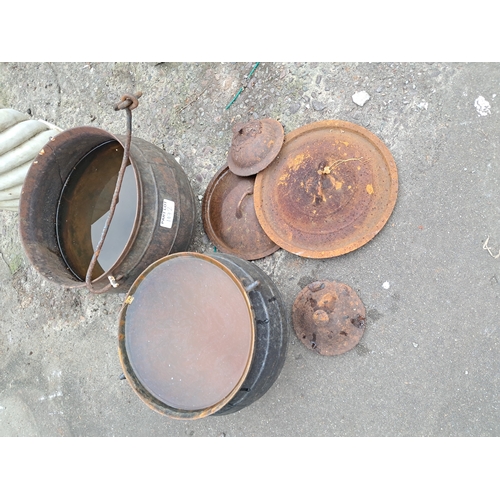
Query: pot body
x,y
160,180
271,332
270,341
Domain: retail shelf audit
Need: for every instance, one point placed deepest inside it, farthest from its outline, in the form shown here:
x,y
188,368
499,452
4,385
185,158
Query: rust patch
x,y
329,317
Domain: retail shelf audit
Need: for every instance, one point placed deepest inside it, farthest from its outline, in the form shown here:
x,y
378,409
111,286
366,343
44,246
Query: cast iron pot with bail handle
x,y
164,209
202,335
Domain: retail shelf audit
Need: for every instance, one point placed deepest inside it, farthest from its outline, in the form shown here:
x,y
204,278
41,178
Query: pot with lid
x,y
202,335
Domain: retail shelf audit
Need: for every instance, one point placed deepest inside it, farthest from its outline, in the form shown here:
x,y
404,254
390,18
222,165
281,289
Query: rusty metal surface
x,y
254,145
331,189
130,101
328,317
229,217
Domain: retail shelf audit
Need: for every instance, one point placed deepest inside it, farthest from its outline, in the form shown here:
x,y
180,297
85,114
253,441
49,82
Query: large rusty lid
x,y
255,145
229,217
331,189
328,317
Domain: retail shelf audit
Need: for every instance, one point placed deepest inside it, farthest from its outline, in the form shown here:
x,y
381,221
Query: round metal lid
x,y
331,189
229,217
255,145
187,335
329,317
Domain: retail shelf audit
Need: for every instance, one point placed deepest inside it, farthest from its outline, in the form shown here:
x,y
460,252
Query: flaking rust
x,y
329,317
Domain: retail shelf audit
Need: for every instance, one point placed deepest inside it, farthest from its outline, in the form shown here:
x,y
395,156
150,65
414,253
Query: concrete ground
x,y
429,361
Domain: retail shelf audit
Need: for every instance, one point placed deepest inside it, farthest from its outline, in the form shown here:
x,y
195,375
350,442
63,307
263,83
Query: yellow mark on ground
x,y
369,189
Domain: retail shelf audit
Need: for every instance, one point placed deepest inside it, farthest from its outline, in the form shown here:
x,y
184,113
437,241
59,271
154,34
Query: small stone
x,y
294,107
482,106
415,344
318,106
386,285
360,98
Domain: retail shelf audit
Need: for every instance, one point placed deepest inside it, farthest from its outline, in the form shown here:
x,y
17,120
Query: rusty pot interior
x,y
84,206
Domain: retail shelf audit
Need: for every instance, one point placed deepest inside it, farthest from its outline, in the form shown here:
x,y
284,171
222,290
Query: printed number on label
x,y
167,214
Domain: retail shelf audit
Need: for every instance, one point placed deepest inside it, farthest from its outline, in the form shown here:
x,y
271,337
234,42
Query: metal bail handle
x,y
128,102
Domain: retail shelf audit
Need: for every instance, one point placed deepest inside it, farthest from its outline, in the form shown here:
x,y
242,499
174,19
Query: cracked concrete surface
x,y
428,363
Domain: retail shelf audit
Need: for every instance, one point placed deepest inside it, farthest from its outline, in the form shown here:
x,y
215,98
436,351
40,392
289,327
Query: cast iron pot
x,y
270,337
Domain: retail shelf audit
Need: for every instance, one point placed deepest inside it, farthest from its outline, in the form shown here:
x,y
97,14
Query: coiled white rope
x,y
21,139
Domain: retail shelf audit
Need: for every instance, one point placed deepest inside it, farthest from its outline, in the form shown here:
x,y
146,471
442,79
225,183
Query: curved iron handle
x,y
239,213
128,102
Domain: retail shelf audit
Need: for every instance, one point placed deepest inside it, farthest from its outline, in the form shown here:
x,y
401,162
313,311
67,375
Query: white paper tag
x,y
167,214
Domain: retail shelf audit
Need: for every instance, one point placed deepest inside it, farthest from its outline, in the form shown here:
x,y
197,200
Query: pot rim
x,y
44,157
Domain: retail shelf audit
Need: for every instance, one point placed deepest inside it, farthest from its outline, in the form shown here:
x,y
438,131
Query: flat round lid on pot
x,y
189,332
331,189
229,217
329,317
254,145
